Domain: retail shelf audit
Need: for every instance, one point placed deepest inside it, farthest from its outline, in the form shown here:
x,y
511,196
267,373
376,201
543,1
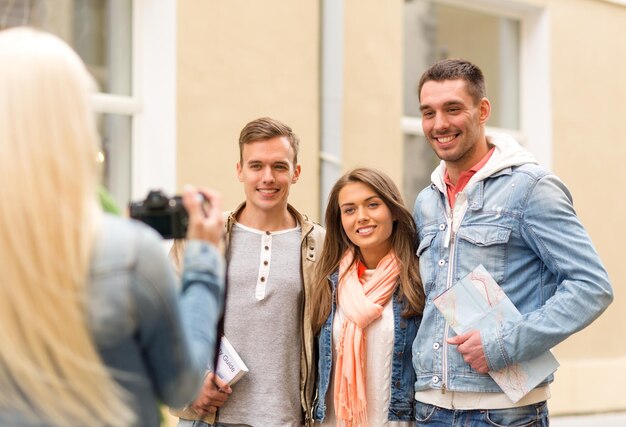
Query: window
x,y
100,32
507,42
129,47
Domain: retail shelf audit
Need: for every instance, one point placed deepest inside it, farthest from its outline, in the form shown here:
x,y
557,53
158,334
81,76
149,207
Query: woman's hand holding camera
x,y
204,207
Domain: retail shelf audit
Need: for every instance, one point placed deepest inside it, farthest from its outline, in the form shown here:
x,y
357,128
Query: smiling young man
x,y
489,203
271,251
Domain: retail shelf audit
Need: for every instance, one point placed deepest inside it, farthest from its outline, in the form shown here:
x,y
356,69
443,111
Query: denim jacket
x,y
155,339
402,373
516,219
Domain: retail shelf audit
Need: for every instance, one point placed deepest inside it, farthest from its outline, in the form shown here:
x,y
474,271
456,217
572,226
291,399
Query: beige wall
x,y
373,86
588,89
239,60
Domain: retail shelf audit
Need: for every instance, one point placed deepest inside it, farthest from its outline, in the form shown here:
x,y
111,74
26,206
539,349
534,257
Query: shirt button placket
x,y
264,267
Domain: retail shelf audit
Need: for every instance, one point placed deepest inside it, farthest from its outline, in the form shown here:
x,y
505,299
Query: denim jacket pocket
x,y
483,244
427,260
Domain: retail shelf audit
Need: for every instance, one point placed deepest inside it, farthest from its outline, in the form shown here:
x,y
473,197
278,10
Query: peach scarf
x,y
362,304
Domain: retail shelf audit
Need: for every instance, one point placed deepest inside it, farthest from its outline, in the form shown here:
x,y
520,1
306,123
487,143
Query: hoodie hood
x,y
508,153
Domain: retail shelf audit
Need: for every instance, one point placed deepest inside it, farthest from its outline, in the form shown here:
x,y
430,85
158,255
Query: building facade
x,y
178,80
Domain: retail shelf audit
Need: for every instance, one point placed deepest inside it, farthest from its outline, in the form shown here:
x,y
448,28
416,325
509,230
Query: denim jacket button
x,y
435,379
442,262
436,346
442,227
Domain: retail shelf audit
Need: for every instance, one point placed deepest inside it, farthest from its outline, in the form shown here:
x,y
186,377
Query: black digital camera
x,y
166,215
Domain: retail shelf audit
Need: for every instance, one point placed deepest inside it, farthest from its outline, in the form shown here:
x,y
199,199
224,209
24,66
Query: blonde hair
x,y
177,255
49,365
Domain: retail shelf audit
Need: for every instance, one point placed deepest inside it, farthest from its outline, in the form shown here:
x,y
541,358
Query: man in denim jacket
x,y
489,203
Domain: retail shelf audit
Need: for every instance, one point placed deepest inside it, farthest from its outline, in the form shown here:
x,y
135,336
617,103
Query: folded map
x,y
477,302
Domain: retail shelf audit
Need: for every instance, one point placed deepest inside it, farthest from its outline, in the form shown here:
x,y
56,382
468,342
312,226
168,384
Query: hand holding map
x,y
477,302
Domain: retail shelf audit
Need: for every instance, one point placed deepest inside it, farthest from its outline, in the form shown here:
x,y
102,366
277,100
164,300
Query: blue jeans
x,y
535,415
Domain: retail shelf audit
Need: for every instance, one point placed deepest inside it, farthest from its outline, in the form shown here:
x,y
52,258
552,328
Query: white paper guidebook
x,y
478,302
230,368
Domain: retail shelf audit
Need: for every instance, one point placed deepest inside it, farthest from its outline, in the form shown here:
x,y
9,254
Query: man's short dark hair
x,y
453,69
266,128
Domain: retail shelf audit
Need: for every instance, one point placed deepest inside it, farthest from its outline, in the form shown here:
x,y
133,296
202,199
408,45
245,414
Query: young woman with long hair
x,y
366,305
91,330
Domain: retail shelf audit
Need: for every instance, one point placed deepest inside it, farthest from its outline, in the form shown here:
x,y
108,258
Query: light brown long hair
x,y
403,242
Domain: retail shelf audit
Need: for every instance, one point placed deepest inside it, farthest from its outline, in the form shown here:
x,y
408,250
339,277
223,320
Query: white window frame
x,y
535,131
152,105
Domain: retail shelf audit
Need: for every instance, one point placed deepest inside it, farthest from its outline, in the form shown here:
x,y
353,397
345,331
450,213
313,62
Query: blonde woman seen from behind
x,y
91,330
367,305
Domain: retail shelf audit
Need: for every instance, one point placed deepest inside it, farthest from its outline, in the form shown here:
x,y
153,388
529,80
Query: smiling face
x,y
453,123
267,172
367,221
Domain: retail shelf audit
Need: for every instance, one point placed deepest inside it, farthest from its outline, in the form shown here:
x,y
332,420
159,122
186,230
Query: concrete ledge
x,y
589,386
597,420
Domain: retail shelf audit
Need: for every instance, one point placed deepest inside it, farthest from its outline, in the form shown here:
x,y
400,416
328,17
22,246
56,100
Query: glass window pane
x,y
420,161
434,31
115,131
99,30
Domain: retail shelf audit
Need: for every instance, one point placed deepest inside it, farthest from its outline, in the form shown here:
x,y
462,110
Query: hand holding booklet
x,y
230,368
477,302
